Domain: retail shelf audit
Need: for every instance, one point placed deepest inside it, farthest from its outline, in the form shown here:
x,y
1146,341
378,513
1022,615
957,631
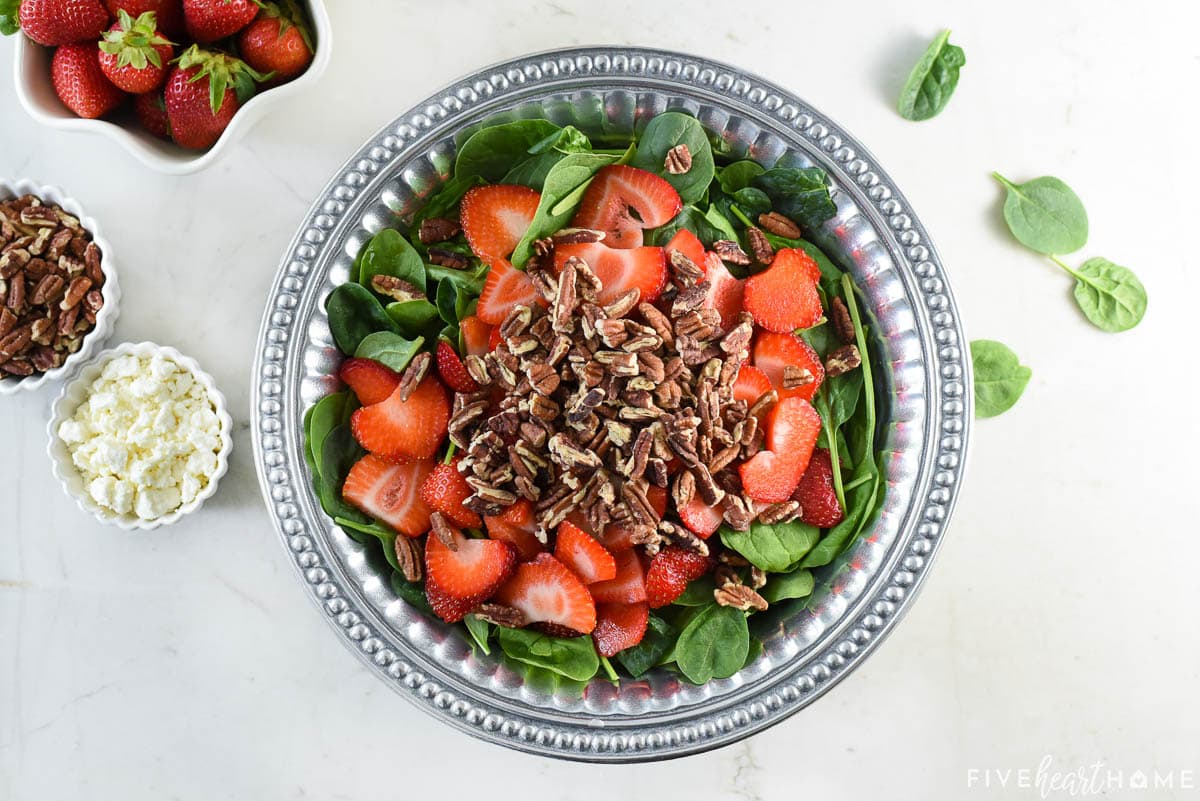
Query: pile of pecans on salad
x,y
604,404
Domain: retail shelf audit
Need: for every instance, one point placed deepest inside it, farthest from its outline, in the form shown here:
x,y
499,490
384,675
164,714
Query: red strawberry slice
x,y
616,194
579,551
773,352
670,571
619,626
516,526
620,270
771,475
751,384
725,293
505,287
818,502
548,593
494,218
459,579
404,429
390,492
619,538
452,370
629,585
690,245
371,381
476,334
445,490
494,339
784,296
700,518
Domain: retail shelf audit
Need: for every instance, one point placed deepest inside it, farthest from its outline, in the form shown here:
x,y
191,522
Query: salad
x,y
604,405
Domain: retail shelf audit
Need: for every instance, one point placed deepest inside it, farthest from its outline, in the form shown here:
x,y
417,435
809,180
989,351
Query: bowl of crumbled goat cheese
x,y
140,437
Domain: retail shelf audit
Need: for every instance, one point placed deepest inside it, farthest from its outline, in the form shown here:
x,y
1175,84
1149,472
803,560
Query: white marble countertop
x,y
1059,620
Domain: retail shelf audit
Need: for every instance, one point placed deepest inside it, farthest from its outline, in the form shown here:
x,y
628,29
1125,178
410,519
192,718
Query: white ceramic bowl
x,y
36,93
76,392
111,291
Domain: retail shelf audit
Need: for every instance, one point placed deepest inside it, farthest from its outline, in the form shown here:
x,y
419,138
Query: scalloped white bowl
x,y
75,393
106,318
31,70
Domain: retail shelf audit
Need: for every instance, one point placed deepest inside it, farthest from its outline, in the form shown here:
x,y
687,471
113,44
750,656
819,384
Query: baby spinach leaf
x,y
720,223
932,80
389,253
857,501
1045,215
411,591
412,316
1109,295
713,645
444,202
447,301
532,171
697,593
664,132
561,193
480,630
490,152
609,670
355,313
773,548
659,638
390,350
799,193
565,140
1000,378
10,21
326,414
339,452
738,175
797,584
573,657
692,219
469,281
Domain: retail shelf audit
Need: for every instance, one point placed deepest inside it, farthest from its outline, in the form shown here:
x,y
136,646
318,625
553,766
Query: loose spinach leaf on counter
x,y
1000,378
658,639
354,314
799,193
714,644
491,152
775,548
561,194
1109,295
1045,215
390,350
573,657
664,132
932,80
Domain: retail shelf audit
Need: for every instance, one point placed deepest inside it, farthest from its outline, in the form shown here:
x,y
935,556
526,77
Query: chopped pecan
x,y
686,272
501,615
730,251
779,512
577,236
843,324
443,530
842,360
448,257
760,246
437,229
414,374
795,376
779,225
739,596
396,288
410,557
678,160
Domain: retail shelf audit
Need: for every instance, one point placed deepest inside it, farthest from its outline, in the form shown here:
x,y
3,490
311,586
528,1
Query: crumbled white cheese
x,y
146,439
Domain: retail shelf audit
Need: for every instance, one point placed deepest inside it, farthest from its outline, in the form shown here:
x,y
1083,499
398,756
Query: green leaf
x,y
659,638
565,140
354,314
1045,215
691,219
411,591
9,20
444,202
720,223
573,657
799,193
327,414
773,548
713,645
479,630
412,317
797,584
738,175
697,593
389,253
1109,295
563,188
390,350
664,132
932,80
491,152
532,171
1000,378
339,452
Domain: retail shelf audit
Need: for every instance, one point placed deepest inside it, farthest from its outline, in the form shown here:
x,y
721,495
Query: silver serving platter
x,y
927,405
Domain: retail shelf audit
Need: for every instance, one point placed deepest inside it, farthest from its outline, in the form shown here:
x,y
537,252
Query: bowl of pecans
x,y
58,289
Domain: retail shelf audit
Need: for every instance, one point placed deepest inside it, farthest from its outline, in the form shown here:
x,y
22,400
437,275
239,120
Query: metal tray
x,y
808,647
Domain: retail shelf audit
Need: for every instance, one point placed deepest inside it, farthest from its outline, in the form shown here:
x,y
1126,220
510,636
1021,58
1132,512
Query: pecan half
x,y
396,288
501,615
414,374
730,251
445,257
678,160
437,229
760,247
410,557
779,225
843,324
842,360
739,596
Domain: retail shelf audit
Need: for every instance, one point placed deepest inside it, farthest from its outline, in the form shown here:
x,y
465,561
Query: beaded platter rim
x,y
717,720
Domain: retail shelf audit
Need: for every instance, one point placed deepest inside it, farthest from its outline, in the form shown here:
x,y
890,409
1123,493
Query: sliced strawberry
x,y
445,490
494,218
476,335
689,244
390,492
629,585
771,475
700,518
495,339
620,270
784,296
751,384
616,194
516,526
620,538
459,579
404,429
505,287
547,592
724,291
773,352
818,502
619,626
452,371
370,380
579,551
670,571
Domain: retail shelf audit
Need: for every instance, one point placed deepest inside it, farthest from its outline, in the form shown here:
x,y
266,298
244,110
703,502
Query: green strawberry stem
x,y
223,72
136,41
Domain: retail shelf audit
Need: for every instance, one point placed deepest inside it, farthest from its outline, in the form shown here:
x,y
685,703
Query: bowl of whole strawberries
x,y
174,81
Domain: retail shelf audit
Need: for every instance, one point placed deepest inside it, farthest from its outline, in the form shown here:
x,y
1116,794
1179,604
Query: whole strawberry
x,y
202,94
277,41
152,113
58,22
134,55
210,20
169,14
80,83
